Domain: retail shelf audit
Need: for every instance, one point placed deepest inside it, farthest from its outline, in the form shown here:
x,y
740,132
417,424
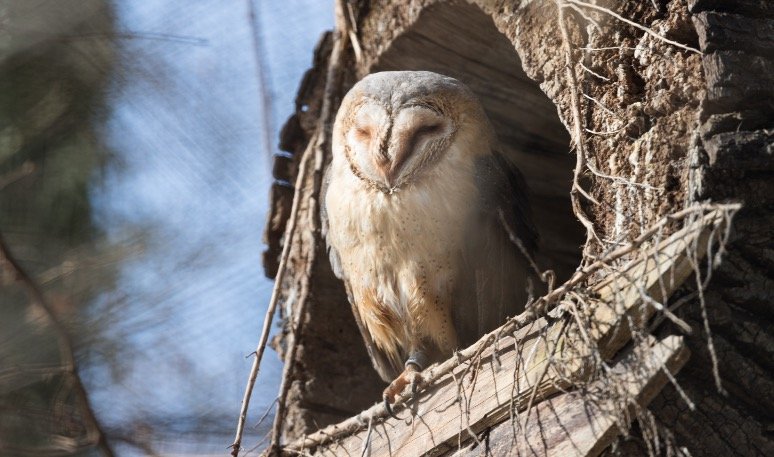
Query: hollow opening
x,y
461,41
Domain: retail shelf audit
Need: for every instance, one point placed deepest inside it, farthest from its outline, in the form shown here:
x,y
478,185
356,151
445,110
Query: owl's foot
x,y
411,376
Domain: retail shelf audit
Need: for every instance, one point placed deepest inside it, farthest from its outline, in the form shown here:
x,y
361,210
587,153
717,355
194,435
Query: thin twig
x,y
679,389
295,322
269,317
583,14
693,258
316,151
599,132
603,78
266,413
519,244
132,35
601,105
548,365
367,442
619,179
289,232
606,48
350,25
658,306
647,30
264,94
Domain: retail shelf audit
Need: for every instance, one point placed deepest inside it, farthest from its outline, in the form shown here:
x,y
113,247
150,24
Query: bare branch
x,y
93,428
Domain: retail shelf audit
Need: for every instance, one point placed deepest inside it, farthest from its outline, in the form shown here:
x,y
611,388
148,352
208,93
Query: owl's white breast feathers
x,y
401,250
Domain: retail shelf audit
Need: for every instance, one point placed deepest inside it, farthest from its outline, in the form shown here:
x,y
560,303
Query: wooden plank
x,y
444,414
584,424
663,269
437,414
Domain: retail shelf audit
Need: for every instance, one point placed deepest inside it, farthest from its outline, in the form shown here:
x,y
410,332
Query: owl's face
x,y
394,125
388,145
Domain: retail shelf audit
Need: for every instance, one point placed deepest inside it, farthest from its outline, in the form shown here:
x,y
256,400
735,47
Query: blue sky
x,y
188,191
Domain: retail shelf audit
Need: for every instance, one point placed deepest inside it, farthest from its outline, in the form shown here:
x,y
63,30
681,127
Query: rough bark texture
x,y
734,153
682,126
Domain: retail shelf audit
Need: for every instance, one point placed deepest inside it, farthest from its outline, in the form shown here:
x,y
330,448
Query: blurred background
x,y
135,147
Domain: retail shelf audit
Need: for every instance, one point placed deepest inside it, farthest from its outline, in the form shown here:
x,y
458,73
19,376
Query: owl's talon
x,y
388,408
410,376
392,391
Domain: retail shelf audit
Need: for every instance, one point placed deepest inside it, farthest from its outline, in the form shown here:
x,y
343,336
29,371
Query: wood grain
x,y
583,424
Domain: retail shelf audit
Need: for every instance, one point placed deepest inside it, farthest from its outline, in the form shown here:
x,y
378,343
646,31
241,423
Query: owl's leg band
x,y
417,359
410,376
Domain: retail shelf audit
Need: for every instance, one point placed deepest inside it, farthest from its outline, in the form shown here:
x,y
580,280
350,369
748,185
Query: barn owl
x,y
414,206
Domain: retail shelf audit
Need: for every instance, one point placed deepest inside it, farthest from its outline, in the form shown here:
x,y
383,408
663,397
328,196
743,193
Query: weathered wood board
x,y
585,423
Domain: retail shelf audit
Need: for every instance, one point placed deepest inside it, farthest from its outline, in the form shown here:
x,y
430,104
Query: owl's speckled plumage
x,y
412,205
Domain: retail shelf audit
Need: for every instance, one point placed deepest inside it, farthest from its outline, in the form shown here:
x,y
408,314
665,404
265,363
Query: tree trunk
x,y
662,126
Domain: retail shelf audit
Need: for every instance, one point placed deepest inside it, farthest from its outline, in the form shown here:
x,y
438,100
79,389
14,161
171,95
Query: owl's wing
x,y
380,360
504,191
332,253
382,363
493,282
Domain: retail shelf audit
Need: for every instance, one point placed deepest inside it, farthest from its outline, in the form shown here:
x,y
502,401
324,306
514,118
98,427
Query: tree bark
x,y
662,126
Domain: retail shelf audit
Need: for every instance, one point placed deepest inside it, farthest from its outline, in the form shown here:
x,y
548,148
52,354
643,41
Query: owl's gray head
x,y
394,124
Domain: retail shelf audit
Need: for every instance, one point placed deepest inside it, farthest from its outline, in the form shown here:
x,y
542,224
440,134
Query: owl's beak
x,y
383,166
402,153
390,172
388,169
391,167
391,157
